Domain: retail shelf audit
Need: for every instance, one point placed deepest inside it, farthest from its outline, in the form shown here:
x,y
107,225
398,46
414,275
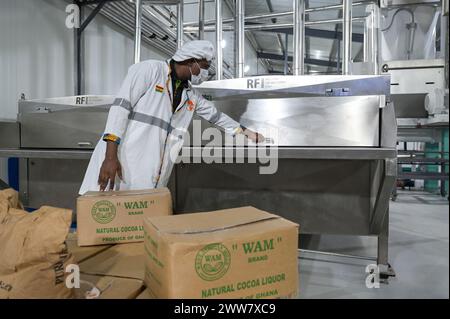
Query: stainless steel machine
x,y
63,123
53,139
336,152
333,137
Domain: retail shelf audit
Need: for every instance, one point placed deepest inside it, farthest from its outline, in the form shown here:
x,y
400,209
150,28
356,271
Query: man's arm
x,y
209,112
133,88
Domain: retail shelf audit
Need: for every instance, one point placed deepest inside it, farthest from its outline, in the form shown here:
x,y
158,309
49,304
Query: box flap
x,y
209,221
126,193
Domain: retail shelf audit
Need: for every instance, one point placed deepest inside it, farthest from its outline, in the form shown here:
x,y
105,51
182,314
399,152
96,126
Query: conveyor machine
x,y
334,140
331,140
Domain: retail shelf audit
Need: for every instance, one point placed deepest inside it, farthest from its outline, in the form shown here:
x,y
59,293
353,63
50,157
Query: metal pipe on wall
x,y
445,37
240,36
201,19
286,67
219,54
249,18
371,38
356,19
276,14
412,31
208,28
375,41
299,37
180,31
338,57
347,36
138,31
338,6
263,27
79,57
258,27
367,39
271,15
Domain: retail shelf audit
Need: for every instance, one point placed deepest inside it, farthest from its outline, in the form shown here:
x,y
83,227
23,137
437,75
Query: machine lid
x,y
76,100
297,86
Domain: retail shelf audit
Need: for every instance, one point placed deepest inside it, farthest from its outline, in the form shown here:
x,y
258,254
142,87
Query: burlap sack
x,y
33,253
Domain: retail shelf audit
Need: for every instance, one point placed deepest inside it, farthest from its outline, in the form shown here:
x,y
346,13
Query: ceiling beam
x,y
278,57
317,33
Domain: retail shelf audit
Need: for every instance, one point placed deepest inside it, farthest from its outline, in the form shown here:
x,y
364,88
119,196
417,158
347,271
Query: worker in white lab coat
x,y
149,117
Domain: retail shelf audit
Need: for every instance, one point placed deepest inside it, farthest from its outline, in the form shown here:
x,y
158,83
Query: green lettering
x,y
248,247
254,247
136,213
136,205
268,245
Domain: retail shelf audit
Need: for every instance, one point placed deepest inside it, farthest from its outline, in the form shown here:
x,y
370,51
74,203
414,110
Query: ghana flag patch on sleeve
x,y
159,88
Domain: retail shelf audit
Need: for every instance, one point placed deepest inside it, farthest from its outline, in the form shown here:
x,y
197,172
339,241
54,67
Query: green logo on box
x,y
212,262
103,212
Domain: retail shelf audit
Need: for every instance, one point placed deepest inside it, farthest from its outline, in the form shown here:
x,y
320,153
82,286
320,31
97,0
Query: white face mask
x,y
201,77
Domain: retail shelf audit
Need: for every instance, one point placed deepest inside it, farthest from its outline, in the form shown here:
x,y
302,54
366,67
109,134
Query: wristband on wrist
x,y
111,137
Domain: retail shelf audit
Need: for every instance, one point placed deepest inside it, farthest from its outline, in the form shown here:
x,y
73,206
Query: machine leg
x,y
443,192
23,181
386,270
394,194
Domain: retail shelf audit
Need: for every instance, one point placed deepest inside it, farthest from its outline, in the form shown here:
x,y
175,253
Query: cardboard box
x,y
82,253
234,253
121,260
117,217
118,273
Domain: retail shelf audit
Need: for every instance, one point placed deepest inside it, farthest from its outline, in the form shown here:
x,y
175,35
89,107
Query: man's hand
x,y
110,167
254,136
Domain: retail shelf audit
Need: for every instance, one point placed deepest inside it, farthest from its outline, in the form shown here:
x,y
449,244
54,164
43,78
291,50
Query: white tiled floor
x,y
418,252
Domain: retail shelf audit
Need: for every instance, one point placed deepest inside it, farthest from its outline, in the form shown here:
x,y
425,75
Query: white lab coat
x,y
141,116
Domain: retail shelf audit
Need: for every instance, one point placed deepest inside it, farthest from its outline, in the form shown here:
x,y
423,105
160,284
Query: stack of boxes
x,y
234,253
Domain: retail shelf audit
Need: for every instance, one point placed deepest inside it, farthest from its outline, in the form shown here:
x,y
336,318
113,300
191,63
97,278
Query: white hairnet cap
x,y
197,49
